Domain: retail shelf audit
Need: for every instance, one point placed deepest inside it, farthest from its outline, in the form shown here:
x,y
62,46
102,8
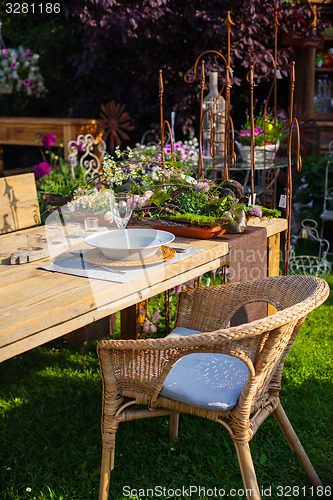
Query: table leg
x,y
131,320
2,167
273,256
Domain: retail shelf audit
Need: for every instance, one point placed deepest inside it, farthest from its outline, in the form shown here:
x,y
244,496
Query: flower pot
x,y
179,229
56,200
261,153
202,233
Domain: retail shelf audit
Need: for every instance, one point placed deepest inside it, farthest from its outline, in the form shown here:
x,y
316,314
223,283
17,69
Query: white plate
x,y
129,244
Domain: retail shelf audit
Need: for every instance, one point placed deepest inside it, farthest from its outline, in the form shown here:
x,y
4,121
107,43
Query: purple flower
x,y
156,316
13,64
27,54
256,211
202,186
152,328
48,140
42,169
32,85
98,186
258,131
26,82
146,326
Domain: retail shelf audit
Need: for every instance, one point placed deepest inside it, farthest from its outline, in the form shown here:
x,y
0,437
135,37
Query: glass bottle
x,y
216,104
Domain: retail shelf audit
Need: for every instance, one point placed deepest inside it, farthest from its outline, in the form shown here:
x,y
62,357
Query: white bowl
x,y
129,244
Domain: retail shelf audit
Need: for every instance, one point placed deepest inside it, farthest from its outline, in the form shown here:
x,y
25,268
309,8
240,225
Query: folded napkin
x,y
74,263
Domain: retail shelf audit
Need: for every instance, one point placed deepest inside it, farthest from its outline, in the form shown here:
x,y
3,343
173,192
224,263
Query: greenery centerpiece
x,y
166,191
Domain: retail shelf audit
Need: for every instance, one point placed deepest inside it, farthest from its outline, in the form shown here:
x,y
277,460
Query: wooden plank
x,y
18,203
273,226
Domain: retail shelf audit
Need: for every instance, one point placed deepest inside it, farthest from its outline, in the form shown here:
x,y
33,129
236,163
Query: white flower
x,y
28,489
108,216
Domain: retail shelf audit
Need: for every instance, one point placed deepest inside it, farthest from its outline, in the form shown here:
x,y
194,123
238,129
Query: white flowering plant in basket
x,y
20,73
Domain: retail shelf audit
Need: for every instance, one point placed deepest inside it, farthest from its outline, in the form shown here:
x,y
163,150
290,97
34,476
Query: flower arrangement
x,y
266,130
19,73
165,191
186,151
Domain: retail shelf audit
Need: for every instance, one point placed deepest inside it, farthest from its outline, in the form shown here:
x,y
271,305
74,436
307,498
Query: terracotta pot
x,y
177,229
202,233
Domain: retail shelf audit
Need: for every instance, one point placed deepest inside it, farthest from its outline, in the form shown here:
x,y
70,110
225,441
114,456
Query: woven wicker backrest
x,y
140,366
266,342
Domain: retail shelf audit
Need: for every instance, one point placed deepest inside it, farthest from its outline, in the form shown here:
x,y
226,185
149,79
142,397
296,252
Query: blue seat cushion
x,y
212,381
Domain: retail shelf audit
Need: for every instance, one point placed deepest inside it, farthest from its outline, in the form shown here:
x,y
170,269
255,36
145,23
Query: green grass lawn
x,y
50,408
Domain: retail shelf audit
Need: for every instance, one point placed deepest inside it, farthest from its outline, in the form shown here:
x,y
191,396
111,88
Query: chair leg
x,y
106,468
248,472
295,444
173,426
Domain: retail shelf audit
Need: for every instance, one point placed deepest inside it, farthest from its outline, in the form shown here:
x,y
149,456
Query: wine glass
x,y
121,208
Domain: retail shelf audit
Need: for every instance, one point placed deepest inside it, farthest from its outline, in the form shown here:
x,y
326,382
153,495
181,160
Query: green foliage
x,y
310,186
59,181
266,130
270,213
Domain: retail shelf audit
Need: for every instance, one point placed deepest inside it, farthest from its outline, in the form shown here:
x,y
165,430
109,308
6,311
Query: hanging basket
x,y
261,153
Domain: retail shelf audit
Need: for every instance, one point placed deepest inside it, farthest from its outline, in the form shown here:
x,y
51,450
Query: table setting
x,y
116,253
121,255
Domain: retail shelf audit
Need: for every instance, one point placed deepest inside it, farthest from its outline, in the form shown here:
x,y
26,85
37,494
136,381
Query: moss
x,y
198,220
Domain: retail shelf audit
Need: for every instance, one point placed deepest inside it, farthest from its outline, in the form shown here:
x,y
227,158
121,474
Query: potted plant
x,y
54,181
268,132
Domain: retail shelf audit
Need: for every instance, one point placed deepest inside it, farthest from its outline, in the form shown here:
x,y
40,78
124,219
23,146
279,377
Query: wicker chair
x,y
229,375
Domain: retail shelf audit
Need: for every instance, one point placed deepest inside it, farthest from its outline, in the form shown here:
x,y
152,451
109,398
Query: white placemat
x,y
74,263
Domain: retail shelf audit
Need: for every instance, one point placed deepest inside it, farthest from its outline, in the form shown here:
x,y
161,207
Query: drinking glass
x,y
34,241
91,224
74,229
121,207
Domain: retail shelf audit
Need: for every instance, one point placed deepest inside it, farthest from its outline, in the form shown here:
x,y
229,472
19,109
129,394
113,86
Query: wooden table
x,y
28,131
38,306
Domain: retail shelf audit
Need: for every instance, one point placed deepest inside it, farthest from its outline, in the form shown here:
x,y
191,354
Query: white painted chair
x,y
89,152
327,214
314,265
